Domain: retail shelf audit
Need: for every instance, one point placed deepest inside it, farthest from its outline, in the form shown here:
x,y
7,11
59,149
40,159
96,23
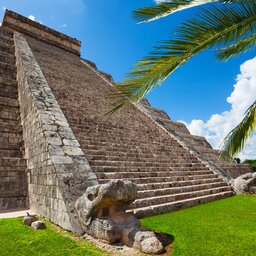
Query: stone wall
x,y
58,171
18,23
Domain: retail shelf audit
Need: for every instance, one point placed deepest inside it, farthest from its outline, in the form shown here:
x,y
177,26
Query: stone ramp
x,y
13,176
127,145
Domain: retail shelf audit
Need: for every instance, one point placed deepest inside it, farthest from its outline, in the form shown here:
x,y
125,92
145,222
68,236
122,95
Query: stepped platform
x,y
127,145
13,176
53,105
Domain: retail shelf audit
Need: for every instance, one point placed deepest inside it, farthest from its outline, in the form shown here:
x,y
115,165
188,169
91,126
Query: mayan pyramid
x,y
56,140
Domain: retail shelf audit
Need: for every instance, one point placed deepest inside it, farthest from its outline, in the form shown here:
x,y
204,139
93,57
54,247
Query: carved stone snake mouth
x,y
101,211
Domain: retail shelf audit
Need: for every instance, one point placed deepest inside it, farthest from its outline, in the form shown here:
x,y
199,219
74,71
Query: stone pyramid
x,y
56,140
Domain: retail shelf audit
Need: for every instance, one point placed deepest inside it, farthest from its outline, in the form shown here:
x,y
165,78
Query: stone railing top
x,y
19,23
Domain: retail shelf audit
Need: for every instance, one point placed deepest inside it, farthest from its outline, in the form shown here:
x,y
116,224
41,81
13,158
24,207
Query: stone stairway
x,y
127,145
13,177
168,177
197,143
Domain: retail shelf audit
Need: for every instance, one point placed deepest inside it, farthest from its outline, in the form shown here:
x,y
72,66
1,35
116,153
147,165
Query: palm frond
x,y
243,46
213,26
235,140
165,8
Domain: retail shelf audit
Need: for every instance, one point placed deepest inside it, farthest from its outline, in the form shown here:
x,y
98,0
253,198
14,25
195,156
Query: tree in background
x,y
228,27
252,163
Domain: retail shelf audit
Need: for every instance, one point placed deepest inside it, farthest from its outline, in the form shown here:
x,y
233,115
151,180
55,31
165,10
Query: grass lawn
x,y
224,227
20,240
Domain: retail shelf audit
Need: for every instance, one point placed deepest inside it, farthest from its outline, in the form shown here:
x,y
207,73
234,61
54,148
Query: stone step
x,y
150,201
150,173
6,32
120,142
10,126
13,183
126,162
142,158
11,140
7,66
143,148
4,47
165,179
11,113
11,153
157,112
161,185
7,70
8,91
95,153
180,189
159,168
9,102
12,162
177,205
6,38
114,152
172,125
8,80
7,57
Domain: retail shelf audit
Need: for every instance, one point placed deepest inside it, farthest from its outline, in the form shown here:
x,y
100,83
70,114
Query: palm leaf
x,y
243,46
235,140
165,8
213,26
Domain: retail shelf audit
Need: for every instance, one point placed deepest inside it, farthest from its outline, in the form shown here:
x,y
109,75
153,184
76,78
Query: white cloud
x,y
219,125
0,24
63,25
4,8
32,17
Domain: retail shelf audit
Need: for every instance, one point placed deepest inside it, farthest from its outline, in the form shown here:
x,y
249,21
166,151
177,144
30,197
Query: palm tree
x,y
228,27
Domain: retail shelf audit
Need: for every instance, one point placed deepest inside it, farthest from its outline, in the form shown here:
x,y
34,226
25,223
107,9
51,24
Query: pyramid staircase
x,y
128,145
198,144
13,177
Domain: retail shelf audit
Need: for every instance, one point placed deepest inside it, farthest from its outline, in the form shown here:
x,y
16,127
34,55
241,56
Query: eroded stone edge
x,y
59,171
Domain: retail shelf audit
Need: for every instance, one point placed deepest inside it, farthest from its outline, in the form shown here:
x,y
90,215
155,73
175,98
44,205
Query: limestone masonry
x,y
56,140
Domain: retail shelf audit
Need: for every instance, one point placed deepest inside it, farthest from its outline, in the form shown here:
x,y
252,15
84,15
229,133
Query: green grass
x,y
224,227
20,240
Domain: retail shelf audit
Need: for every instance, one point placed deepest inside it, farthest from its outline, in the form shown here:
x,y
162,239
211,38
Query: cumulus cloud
x,y
4,8
64,25
219,125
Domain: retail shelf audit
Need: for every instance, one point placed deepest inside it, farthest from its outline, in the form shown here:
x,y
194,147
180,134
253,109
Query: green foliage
x,y
252,163
19,240
224,227
235,140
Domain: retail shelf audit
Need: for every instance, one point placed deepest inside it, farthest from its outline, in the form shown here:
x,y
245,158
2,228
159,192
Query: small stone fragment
x,y
29,219
38,225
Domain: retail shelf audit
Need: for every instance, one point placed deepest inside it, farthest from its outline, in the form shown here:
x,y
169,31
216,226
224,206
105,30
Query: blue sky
x,y
111,38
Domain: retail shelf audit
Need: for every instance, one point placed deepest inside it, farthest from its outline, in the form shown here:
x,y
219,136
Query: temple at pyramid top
x,y
19,23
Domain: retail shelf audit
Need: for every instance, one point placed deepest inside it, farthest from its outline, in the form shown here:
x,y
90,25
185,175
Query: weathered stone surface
x,y
29,219
59,173
147,242
38,225
13,175
101,211
245,183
